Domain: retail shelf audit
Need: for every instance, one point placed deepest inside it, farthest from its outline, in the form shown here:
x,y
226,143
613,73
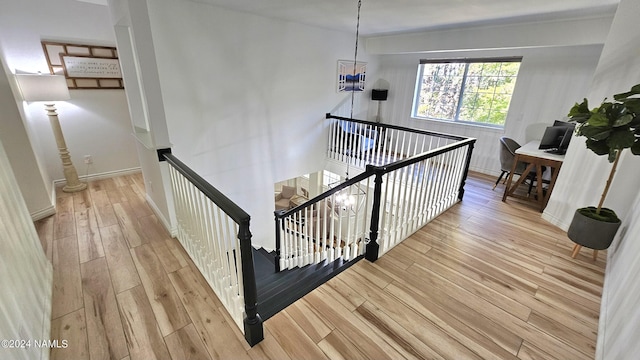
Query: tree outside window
x,y
469,91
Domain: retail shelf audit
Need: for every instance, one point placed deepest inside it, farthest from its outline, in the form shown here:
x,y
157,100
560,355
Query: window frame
x,y
467,61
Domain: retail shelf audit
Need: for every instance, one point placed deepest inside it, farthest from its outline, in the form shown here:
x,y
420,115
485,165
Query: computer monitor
x,y
566,138
563,123
553,137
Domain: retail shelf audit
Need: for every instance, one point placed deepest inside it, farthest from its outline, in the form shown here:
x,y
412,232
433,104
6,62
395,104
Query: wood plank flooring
x,y
485,280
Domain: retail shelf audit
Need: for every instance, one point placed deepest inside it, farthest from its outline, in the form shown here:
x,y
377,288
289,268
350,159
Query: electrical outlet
x,y
88,159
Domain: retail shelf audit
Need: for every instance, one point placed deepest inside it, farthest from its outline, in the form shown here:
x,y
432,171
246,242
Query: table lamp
x,y
50,88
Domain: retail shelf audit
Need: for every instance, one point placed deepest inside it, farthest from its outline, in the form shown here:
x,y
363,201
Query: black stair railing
x,y
427,201
413,175
362,143
207,222
373,248
410,174
418,174
330,226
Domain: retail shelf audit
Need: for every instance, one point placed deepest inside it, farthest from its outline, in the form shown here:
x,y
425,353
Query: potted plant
x,y
609,128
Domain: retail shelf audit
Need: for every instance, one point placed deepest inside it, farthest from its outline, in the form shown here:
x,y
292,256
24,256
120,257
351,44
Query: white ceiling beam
x,y
573,32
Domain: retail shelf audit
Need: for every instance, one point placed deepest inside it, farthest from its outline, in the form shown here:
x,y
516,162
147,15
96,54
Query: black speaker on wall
x,y
379,94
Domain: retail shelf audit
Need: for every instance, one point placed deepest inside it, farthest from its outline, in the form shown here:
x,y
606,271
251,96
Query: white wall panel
x,y
245,98
35,186
582,180
618,69
25,274
619,314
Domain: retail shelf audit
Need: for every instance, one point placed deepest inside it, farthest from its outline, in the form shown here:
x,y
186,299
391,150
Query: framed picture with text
x,y
84,66
91,67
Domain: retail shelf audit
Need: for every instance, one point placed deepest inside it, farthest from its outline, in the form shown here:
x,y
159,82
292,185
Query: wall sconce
x,y
50,88
379,95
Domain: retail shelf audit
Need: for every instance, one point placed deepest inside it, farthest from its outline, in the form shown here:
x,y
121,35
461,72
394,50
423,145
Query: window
x,y
469,91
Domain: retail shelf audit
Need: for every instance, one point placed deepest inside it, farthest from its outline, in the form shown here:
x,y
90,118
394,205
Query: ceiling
x,y
396,16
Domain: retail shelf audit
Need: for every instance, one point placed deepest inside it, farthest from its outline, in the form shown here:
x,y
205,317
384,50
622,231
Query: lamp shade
x,y
43,87
379,94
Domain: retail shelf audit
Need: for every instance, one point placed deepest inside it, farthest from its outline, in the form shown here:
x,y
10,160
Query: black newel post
x,y
373,247
278,214
466,170
252,322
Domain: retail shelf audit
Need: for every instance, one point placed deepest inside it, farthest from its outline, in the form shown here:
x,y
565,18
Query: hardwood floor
x,y
485,280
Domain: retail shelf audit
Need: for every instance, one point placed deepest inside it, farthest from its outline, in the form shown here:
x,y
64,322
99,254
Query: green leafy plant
x,y
609,128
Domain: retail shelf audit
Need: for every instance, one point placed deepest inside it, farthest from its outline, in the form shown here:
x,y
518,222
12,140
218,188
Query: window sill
x,y
418,120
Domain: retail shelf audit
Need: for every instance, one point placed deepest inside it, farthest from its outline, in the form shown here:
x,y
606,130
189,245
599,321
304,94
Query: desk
x,y
534,157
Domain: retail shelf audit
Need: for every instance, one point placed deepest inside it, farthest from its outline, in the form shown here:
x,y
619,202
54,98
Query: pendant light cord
x,y
355,62
355,56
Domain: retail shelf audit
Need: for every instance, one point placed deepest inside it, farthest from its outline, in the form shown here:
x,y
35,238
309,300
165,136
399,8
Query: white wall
x,y
618,69
566,70
582,179
25,273
35,189
94,122
619,315
140,74
245,98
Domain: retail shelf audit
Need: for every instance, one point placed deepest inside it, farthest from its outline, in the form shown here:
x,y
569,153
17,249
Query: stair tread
x,y
293,284
263,266
269,255
275,281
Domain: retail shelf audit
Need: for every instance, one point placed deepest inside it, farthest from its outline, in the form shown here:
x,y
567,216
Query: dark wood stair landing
x,y
276,291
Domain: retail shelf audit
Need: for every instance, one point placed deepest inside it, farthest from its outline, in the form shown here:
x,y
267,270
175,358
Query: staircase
x,y
357,216
277,290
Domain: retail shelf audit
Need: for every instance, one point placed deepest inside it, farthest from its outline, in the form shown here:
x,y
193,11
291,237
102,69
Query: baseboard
x,y
43,213
490,172
49,210
173,231
101,176
131,171
555,221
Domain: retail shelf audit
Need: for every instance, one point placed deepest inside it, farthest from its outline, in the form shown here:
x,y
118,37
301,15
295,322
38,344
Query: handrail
x,y
383,169
425,155
397,127
405,195
327,194
226,204
283,214
252,322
